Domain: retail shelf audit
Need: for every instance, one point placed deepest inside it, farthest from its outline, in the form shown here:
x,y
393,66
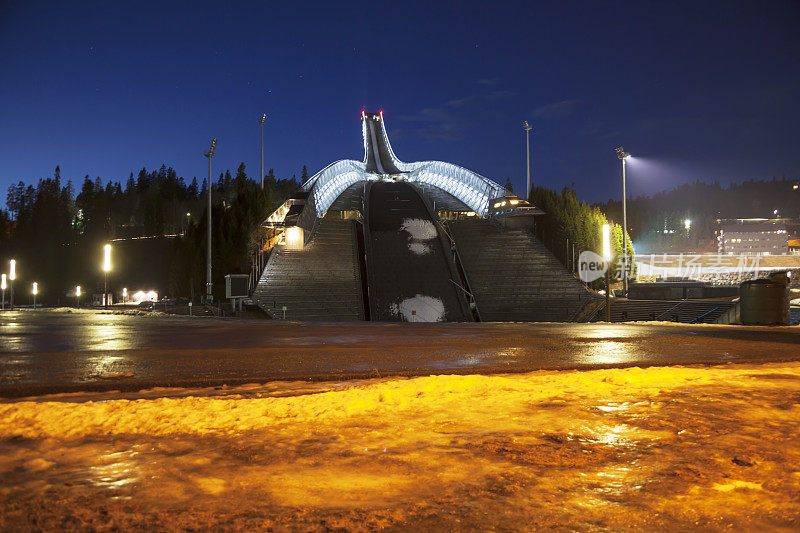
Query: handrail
x,y
462,272
472,296
701,317
671,309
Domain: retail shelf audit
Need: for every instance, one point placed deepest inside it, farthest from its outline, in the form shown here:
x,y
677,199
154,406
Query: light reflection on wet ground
x,y
45,352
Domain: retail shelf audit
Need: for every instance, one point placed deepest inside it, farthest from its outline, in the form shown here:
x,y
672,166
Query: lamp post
x,y
607,259
35,291
77,295
209,155
12,275
263,119
527,127
3,287
623,155
106,270
124,294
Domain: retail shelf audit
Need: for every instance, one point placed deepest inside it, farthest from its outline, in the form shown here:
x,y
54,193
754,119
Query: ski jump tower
x,y
384,240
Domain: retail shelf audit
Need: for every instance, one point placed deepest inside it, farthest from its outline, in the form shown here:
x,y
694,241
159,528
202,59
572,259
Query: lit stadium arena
x,y
429,241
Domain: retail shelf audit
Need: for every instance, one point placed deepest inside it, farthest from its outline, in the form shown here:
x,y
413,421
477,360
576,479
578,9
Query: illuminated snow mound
x,y
419,229
420,308
419,248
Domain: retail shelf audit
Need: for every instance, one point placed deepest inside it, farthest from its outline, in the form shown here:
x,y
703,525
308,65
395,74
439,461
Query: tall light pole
x,y
3,287
209,155
12,275
527,127
623,155
35,291
263,119
106,270
77,295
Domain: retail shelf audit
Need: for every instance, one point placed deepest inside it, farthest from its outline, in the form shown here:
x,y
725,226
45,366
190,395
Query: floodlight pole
x,y
209,155
527,127
623,155
263,119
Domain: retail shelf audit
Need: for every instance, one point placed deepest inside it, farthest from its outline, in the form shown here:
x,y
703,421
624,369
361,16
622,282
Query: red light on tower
x,y
381,112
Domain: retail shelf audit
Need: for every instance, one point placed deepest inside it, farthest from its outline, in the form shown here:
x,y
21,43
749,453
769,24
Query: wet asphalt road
x,y
45,352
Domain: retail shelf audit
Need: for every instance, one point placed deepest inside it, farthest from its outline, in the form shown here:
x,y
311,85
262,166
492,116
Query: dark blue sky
x,y
704,90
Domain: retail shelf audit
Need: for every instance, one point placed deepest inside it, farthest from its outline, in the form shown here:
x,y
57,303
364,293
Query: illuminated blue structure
x,y
380,163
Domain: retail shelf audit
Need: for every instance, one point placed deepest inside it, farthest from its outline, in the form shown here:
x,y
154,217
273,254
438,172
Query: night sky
x,y
700,90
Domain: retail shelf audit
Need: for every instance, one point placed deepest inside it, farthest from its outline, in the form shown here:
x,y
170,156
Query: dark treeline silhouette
x,y
156,224
570,226
657,223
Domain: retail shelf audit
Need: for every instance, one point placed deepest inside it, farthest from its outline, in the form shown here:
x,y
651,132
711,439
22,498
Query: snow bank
x,y
420,308
472,399
657,449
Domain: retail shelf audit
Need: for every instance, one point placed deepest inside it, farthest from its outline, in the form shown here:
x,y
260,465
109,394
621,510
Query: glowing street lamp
x,y
77,295
607,259
623,155
12,275
527,127
35,291
606,242
3,287
124,294
106,270
687,224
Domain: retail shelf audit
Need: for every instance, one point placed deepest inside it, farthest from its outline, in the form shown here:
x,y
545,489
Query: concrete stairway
x,y
514,277
320,282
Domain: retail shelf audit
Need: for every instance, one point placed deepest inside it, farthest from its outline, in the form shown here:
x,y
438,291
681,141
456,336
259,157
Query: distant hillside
x,y
657,223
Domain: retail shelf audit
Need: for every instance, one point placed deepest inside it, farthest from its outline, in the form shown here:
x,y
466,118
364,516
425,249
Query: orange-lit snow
x,y
618,449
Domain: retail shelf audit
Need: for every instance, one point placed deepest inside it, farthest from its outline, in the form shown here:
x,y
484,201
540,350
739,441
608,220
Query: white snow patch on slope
x,y
420,308
419,229
419,248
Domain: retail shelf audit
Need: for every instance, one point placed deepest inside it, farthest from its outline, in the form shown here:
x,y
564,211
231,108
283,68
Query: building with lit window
x,y
753,236
385,240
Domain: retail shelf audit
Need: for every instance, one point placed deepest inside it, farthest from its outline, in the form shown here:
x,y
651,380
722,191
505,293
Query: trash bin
x,y
765,301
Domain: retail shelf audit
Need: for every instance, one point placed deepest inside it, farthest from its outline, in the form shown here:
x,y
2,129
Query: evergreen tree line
x,y
570,227
657,223
156,225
